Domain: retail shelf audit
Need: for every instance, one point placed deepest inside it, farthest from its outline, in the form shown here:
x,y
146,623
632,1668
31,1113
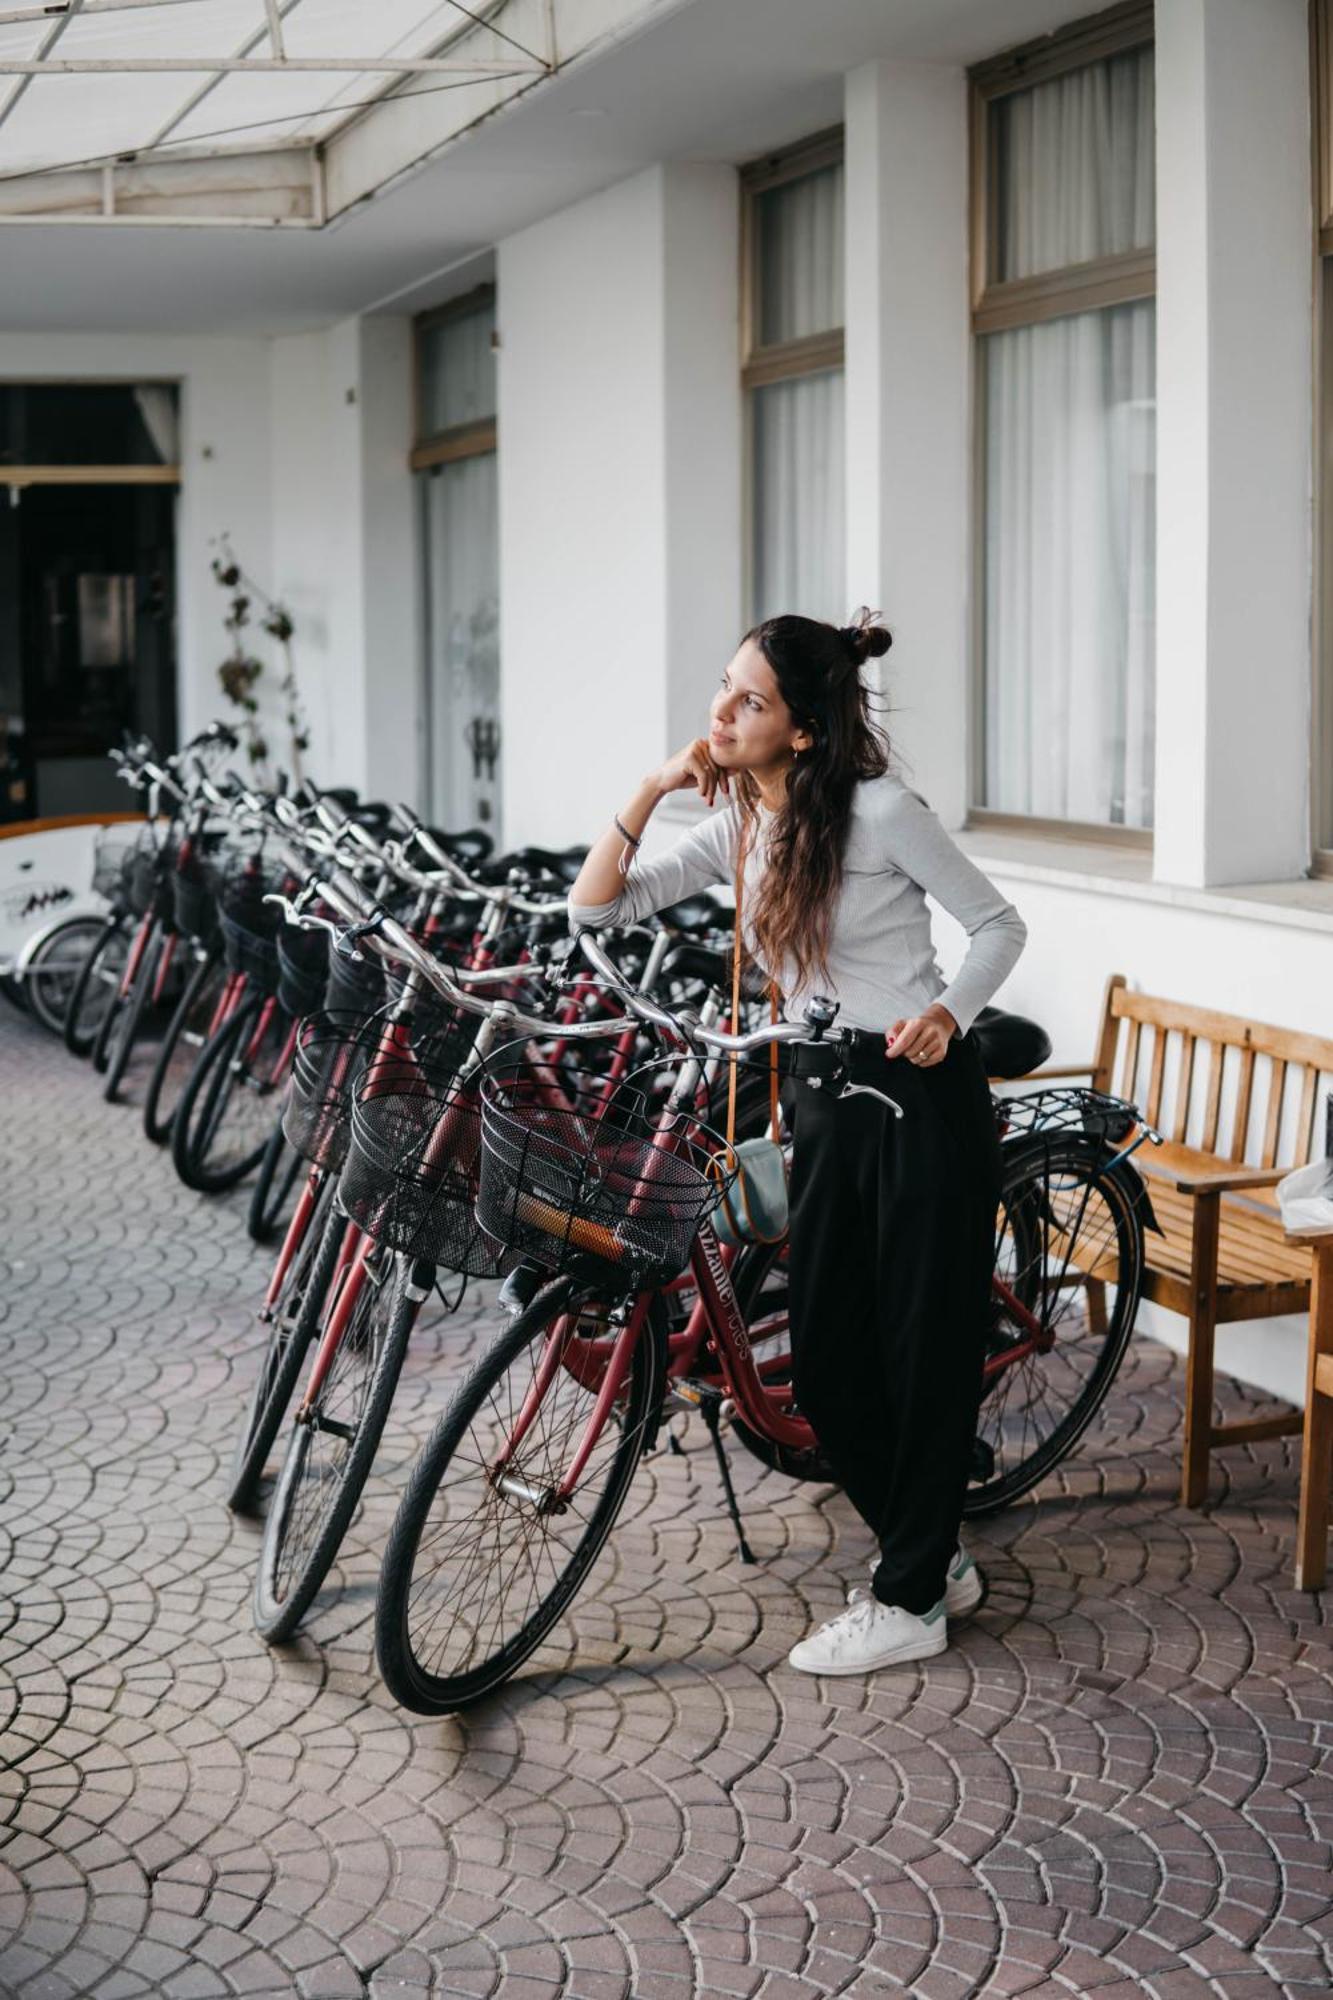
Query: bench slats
x,y
1273,1123
1156,1074
1185,1080
1213,1111
1244,1092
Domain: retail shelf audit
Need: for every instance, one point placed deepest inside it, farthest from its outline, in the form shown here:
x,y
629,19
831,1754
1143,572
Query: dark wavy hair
x,y
818,671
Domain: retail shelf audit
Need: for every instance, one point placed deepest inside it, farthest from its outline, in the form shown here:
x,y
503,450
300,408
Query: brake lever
x,y
864,1090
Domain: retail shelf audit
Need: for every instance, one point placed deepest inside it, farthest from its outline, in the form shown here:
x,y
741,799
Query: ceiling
x,y
687,79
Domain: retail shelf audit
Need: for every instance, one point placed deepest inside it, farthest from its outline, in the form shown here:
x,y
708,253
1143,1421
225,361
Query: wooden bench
x,y
1236,1103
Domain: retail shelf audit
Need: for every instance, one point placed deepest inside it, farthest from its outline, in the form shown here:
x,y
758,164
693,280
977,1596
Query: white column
x,y
909,404
619,489
391,633
1234,398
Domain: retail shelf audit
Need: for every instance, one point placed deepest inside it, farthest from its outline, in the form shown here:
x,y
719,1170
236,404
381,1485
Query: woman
x,y
892,1220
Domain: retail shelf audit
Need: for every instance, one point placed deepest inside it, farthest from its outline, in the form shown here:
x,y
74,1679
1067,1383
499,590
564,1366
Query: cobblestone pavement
x,y
1117,1781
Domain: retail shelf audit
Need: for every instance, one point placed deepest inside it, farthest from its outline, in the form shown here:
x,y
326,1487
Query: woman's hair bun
x,y
863,638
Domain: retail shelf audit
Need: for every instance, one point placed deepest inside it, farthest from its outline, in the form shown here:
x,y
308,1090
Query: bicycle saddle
x,y
565,866
692,913
472,844
697,961
1010,1046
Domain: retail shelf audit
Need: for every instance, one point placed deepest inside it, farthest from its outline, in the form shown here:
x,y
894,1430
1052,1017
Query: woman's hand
x,y
693,768
925,1039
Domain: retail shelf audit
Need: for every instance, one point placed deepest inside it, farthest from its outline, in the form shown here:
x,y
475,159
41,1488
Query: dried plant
x,y
242,670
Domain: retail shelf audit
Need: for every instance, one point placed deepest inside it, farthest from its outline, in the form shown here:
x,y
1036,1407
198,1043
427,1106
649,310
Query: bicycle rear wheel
x,y
475,1577
330,1449
1069,1264
182,1045
96,986
129,1019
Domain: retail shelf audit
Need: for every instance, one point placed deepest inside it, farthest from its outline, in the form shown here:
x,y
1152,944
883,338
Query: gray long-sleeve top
x,y
881,957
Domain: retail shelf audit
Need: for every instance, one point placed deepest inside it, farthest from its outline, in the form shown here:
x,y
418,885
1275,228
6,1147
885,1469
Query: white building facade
x,y
1001,319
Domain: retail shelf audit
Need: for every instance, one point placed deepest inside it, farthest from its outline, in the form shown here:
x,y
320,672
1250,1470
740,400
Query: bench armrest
x,y
1226,1180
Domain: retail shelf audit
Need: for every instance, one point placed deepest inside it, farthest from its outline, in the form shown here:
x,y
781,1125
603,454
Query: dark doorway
x,y
87,640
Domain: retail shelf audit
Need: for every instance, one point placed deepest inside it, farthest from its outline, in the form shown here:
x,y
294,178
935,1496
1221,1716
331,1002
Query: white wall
x,y
225,407
908,403
619,489
345,546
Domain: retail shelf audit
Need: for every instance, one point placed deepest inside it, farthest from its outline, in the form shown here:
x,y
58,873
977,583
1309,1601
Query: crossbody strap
x,y
732,1061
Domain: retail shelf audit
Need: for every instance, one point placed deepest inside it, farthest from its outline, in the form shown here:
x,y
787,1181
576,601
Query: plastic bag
x,y
1306,1196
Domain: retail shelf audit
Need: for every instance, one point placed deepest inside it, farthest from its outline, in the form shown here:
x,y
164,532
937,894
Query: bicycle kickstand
x,y
710,1410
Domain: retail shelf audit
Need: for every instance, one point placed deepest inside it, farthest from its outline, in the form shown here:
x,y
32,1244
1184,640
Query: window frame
x,y
1321,651
1000,306
780,361
470,440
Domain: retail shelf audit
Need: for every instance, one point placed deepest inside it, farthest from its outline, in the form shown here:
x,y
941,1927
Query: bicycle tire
x,y
1033,1163
292,1319
219,1090
53,969
90,995
182,1045
366,1365
753,1270
279,1171
128,1022
414,1681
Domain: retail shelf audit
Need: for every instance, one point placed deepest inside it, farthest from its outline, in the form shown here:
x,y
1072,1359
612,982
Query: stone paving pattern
x,y
1116,1782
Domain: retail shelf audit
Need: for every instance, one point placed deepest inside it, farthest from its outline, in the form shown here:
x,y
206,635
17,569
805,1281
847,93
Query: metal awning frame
x,y
174,180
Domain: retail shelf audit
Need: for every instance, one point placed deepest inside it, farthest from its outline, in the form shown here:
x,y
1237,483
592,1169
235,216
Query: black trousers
x,y
892,1239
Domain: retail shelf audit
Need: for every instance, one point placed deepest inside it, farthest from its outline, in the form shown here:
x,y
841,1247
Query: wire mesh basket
x,y
145,886
249,924
410,1175
590,1183
1071,1108
194,910
303,969
112,849
355,981
333,1052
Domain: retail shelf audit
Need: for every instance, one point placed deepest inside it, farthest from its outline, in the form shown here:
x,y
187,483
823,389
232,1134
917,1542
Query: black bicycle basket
x,y
575,1176
355,981
333,1052
193,903
1071,1108
303,969
410,1175
249,924
146,887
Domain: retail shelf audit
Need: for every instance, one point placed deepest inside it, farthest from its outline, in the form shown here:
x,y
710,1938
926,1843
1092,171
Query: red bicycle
x,y
525,1474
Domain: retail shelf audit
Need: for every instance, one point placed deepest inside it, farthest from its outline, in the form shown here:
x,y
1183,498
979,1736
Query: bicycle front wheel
x,y
480,1564
225,1114
1066,1288
96,985
182,1045
50,976
331,1447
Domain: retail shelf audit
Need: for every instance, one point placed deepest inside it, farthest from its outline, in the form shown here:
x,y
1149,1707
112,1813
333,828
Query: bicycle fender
x,y
1135,1186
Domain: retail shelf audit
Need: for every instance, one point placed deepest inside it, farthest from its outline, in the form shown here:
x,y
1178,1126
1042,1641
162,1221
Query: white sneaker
x,y
964,1587
868,1635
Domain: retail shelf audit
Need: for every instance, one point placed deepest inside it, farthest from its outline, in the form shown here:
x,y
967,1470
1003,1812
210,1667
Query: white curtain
x,y
1076,167
800,250
460,523
457,372
1070,474
1070,517
796,426
797,498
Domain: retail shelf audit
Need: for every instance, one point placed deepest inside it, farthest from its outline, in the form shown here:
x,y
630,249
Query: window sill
x,y
1104,869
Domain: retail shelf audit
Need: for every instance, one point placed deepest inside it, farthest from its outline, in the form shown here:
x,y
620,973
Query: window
x,y
1063,204
455,460
792,375
1321,785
